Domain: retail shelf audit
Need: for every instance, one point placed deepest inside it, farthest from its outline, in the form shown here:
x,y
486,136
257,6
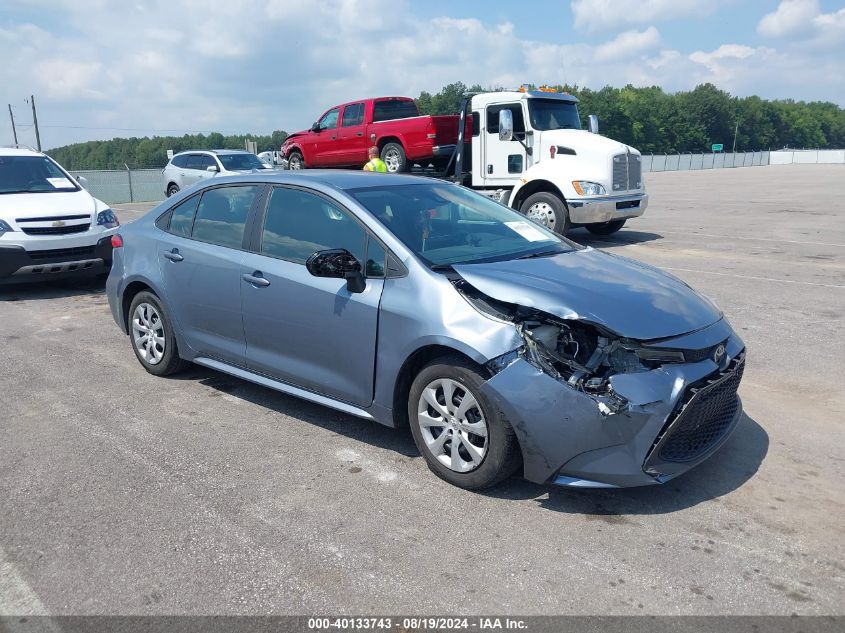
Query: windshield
x,y
552,114
445,224
32,174
240,162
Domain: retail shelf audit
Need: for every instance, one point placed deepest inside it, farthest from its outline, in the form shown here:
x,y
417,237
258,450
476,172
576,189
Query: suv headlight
x,y
108,219
587,188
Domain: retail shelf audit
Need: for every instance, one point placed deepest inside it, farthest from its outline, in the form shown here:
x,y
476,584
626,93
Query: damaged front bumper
x,y
659,424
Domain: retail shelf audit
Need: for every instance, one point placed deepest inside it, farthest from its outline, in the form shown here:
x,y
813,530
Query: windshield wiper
x,y
540,254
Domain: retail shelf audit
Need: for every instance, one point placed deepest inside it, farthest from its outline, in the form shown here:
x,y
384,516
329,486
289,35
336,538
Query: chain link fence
x,y
114,186
716,160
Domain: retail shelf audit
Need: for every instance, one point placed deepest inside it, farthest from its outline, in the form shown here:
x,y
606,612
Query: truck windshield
x,y
445,224
551,114
32,174
240,162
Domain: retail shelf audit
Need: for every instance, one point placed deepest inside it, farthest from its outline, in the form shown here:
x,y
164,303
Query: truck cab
x,y
527,150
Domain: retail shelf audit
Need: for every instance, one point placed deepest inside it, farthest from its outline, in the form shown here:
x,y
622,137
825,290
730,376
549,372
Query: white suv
x,y
50,226
188,168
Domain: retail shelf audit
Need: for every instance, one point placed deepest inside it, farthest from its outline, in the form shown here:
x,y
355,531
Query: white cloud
x,y
597,15
790,18
628,43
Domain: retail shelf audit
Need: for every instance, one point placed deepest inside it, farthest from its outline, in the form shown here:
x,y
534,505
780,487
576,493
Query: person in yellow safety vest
x,y
376,163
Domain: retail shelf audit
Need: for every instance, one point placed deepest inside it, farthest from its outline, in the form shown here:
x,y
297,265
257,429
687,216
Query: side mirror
x,y
338,263
505,125
213,168
315,127
83,182
593,123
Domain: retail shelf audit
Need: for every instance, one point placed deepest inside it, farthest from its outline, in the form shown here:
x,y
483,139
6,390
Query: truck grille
x,y
627,172
705,414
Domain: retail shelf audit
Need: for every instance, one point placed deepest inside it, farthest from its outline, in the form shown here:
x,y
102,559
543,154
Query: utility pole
x,y
35,121
736,129
14,131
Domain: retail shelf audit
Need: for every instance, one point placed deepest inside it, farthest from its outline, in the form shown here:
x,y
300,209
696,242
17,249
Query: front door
x,y
502,162
303,330
353,142
200,260
324,143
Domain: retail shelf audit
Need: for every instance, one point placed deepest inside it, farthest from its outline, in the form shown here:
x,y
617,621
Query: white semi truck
x,y
527,150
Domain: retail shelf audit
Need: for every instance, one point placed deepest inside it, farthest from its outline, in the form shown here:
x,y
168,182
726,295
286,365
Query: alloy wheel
x,y
391,159
148,333
452,424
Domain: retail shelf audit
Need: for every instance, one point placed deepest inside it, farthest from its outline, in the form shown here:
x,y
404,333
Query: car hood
x,y
35,205
630,298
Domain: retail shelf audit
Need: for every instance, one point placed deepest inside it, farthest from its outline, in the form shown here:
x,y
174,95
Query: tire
x,y
494,457
393,155
547,209
147,314
605,228
295,161
172,189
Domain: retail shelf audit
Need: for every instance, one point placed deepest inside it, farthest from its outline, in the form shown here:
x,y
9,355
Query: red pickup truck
x,y
344,133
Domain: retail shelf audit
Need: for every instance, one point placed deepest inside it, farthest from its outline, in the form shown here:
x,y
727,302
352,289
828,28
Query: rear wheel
x,y
463,437
606,228
172,189
393,155
547,209
151,335
295,161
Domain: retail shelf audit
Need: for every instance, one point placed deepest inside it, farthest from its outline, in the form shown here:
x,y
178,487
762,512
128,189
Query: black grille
x,y
56,230
706,413
51,218
62,253
697,355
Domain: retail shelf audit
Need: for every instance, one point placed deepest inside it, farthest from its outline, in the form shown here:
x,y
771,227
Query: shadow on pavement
x,y
622,238
729,468
54,289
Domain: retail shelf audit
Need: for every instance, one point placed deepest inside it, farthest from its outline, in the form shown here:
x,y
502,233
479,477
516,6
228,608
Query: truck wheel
x,y
393,155
547,209
295,161
606,228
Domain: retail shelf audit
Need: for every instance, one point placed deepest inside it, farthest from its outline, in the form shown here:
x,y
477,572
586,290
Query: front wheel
x,y
295,161
548,210
606,228
393,155
463,437
152,337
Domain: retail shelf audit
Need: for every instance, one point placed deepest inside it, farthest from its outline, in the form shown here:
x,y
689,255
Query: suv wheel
x,y
151,334
172,189
463,437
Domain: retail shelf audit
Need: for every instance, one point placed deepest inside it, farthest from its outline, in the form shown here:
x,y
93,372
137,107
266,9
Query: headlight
x,y
587,188
108,219
5,228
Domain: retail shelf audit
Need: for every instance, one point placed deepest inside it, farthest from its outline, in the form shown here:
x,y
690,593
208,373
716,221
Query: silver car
x,y
415,302
186,169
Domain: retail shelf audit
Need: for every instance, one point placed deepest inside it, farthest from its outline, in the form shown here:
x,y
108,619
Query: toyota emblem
x,y
719,354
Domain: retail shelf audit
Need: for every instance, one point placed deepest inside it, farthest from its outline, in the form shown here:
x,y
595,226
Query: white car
x,y
50,226
188,168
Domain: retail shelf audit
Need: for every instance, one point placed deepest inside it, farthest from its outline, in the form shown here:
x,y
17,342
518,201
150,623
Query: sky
x,y
105,68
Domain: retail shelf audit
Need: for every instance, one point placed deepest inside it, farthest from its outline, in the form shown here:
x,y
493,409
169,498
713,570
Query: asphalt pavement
x,y
123,493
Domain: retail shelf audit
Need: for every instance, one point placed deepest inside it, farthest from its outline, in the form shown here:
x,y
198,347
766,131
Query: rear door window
x,y
222,214
353,114
195,161
180,161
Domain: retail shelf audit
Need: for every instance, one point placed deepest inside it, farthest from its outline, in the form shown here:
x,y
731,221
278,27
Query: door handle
x,y
173,255
256,279
360,134
334,137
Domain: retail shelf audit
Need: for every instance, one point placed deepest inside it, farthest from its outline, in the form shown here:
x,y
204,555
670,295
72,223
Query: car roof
x,y
337,178
19,151
219,152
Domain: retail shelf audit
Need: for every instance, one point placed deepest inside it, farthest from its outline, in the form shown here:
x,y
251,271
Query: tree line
x,y
649,119
655,121
151,152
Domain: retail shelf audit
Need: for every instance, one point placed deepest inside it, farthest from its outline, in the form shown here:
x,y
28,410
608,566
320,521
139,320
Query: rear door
x,y
200,260
311,331
352,139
